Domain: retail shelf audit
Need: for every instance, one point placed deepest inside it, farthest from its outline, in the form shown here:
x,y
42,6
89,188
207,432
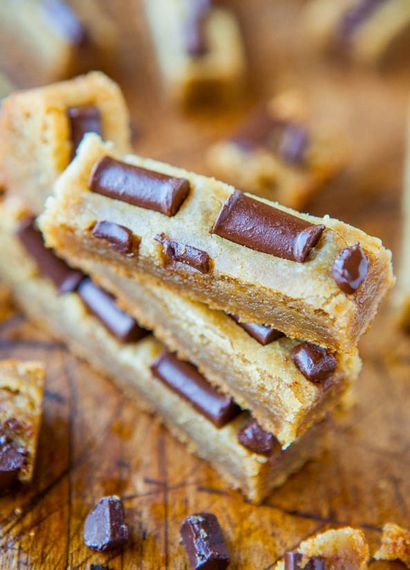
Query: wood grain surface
x,y
95,442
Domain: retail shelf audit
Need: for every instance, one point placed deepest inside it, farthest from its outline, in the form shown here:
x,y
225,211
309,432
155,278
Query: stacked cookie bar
x,y
259,307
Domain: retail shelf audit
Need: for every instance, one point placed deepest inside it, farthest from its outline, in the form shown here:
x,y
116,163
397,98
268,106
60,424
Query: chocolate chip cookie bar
x,y
21,397
74,309
199,49
47,125
277,154
344,548
395,544
364,30
312,278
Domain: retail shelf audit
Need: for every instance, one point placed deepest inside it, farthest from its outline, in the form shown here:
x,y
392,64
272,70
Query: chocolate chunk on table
x,y
314,362
259,226
119,237
351,268
204,542
185,379
105,527
254,438
83,119
138,186
175,252
263,334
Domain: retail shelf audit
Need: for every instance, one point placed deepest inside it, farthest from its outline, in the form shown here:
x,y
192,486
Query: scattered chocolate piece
x,y
204,542
83,119
314,362
64,277
350,268
185,379
103,306
120,238
65,21
254,224
253,437
105,527
12,459
138,186
175,252
293,559
195,39
355,17
263,334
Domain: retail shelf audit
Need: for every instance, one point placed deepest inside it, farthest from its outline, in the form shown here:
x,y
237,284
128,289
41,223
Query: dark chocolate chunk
x,y
64,277
314,362
293,143
120,238
293,560
185,379
103,306
139,186
350,268
263,334
261,227
83,119
195,39
175,252
355,17
65,21
99,567
253,437
204,542
12,459
105,527
13,425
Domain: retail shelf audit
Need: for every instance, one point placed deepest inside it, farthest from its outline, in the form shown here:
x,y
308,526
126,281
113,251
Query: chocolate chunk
x,y
13,425
175,252
64,277
185,379
261,227
83,119
253,437
293,562
11,462
103,306
99,567
350,268
293,143
195,39
120,238
138,186
204,542
105,527
263,334
65,21
355,17
314,362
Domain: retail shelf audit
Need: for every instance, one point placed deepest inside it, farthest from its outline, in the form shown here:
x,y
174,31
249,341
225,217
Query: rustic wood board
x,y
94,441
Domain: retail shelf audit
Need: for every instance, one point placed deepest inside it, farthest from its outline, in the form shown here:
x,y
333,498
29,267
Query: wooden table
x,y
95,442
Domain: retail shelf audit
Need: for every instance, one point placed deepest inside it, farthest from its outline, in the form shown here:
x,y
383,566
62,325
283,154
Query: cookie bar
x,y
46,40
331,550
209,422
364,30
312,278
47,124
257,365
21,397
277,154
199,49
395,544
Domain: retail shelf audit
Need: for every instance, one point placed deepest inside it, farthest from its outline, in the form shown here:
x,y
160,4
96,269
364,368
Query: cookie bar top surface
x,y
263,250
395,544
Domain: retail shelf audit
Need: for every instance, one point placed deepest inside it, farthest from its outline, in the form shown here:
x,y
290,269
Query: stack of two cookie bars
x,y
259,308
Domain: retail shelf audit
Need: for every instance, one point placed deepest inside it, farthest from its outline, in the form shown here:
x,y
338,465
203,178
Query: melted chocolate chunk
x,y
105,527
254,438
65,21
263,334
12,460
83,119
350,268
185,379
293,562
195,39
254,224
314,362
355,17
120,238
204,542
175,252
103,306
65,279
139,186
